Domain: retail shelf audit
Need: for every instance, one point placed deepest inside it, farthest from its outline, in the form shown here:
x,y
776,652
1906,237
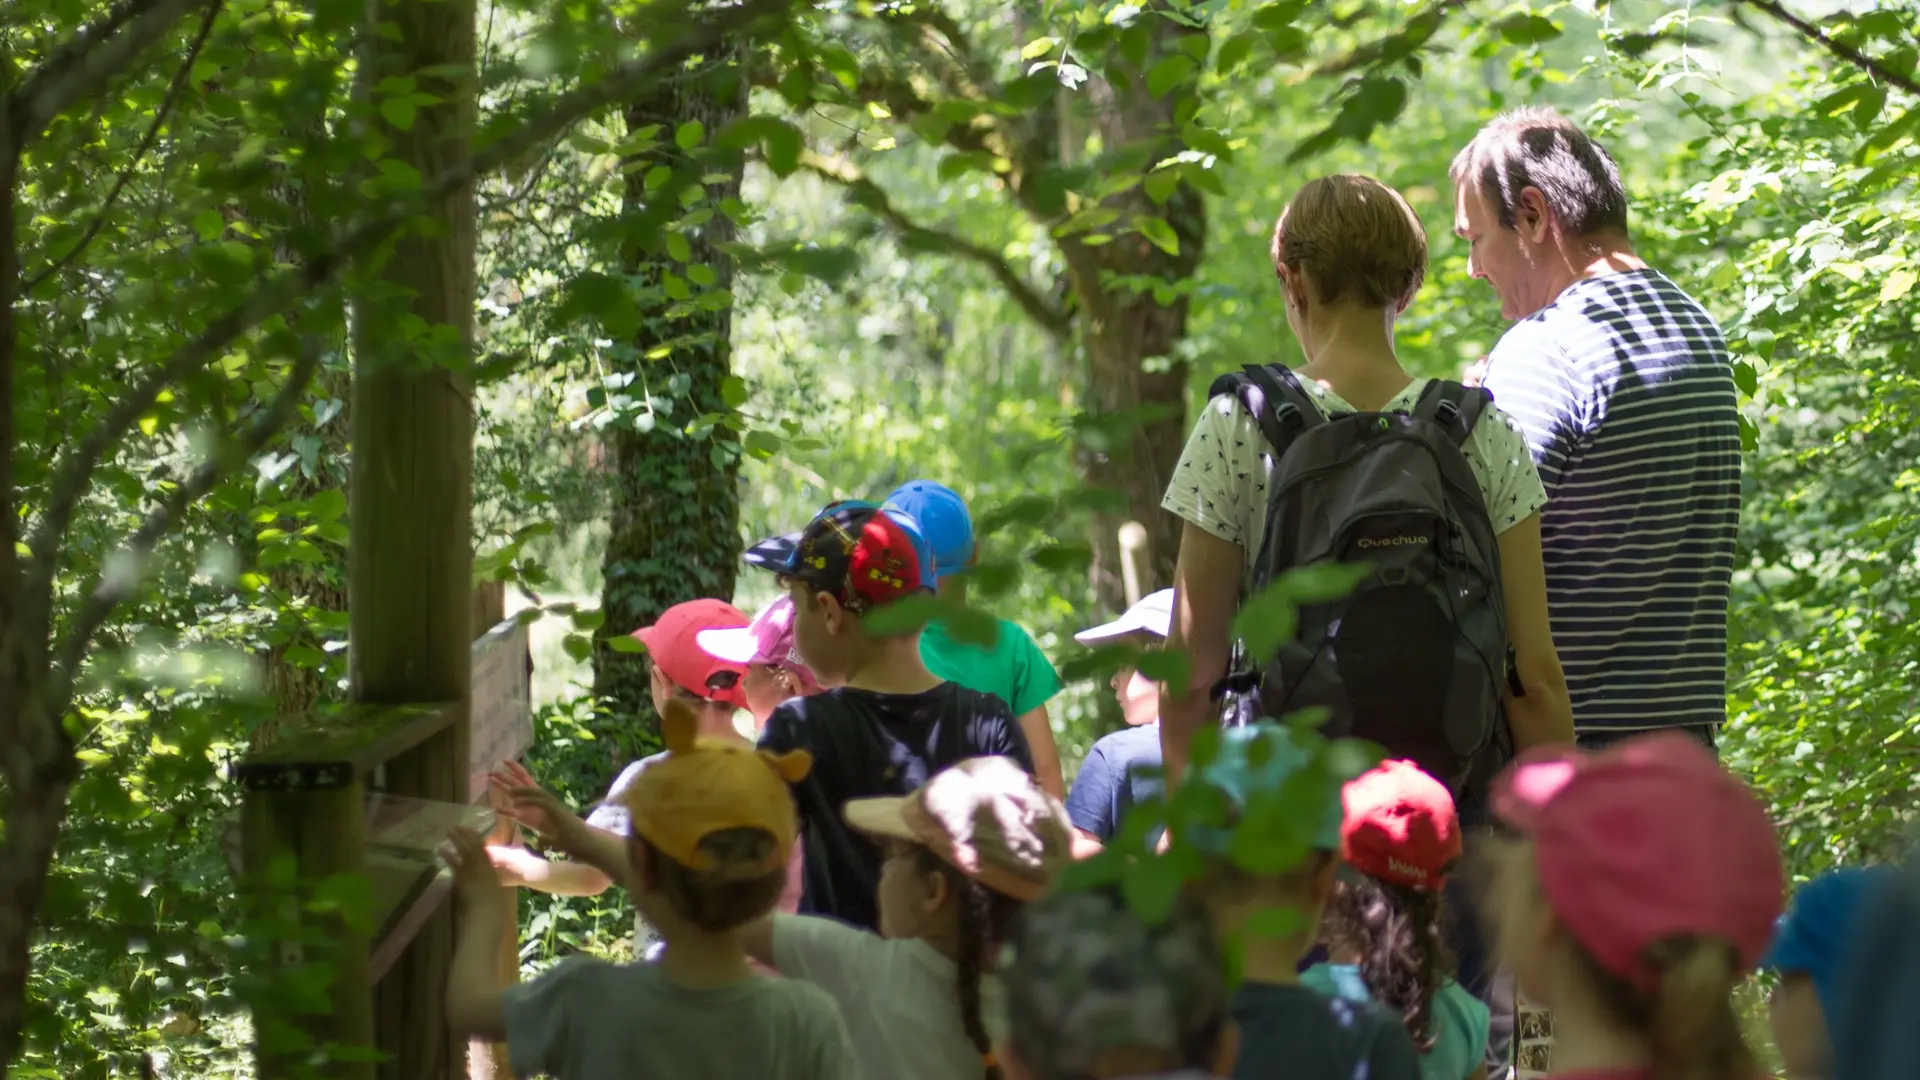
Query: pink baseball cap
x,y
1644,841
766,640
672,642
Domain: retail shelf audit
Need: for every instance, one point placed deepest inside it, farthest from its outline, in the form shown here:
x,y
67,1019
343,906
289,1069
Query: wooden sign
x,y
502,701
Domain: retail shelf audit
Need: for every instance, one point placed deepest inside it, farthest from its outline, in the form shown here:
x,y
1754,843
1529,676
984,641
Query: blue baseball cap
x,y
943,519
1812,936
1254,764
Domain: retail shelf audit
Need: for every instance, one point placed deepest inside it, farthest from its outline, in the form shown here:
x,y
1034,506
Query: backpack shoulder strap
x,y
1272,395
1453,406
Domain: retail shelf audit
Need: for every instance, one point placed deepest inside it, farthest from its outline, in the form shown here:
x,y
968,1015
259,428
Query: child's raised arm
x,y
602,856
474,986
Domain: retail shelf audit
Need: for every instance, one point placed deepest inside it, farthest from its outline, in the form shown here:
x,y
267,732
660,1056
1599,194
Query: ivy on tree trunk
x,y
674,523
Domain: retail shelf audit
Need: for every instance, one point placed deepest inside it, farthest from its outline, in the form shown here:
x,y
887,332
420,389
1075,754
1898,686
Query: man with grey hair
x,y
1622,384
1623,387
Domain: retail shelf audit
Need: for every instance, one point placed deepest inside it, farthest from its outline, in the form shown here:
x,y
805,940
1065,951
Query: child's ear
x,y
936,892
831,611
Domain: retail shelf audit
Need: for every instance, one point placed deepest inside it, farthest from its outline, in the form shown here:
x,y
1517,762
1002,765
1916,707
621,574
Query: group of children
x,y
887,848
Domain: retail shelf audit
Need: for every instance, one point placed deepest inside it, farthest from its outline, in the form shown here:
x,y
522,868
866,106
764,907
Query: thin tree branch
x,y
97,54
121,574
1838,48
153,134
864,192
289,286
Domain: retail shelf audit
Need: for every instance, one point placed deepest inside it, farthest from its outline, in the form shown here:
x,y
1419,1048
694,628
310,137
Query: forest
x,y
687,272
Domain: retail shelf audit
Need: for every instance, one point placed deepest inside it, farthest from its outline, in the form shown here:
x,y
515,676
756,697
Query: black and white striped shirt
x,y
1625,392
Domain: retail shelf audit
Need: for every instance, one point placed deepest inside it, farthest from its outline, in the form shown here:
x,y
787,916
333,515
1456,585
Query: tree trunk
x,y
675,510
410,561
36,755
1130,335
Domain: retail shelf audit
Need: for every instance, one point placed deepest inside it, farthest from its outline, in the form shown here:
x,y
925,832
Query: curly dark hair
x,y
986,920
1396,932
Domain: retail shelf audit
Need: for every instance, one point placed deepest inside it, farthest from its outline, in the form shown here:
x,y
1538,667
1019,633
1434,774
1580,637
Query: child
x,y
775,673
1809,945
1094,991
711,825
1012,667
889,724
1286,1029
764,650
964,854
1642,887
1123,768
680,671
1399,837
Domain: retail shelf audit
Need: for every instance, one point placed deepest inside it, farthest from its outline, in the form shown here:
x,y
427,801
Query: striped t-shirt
x,y
1626,395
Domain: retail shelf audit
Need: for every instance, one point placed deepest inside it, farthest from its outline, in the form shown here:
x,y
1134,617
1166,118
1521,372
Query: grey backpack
x,y
1416,658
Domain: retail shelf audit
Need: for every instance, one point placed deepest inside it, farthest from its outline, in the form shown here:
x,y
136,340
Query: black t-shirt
x,y
866,744
1297,1033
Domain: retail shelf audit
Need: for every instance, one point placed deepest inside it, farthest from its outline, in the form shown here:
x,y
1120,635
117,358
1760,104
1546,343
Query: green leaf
x,y
1898,284
733,391
578,646
1158,233
1150,887
1528,29
1234,51
625,643
399,112
678,249
1160,186
690,134
761,444
841,64
588,619
327,505
906,614
1317,583
1169,667
701,274
1267,620
1169,73
1037,48
1745,377
657,177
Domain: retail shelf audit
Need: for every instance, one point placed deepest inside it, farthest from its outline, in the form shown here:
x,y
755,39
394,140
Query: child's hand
x,y
556,824
511,777
466,855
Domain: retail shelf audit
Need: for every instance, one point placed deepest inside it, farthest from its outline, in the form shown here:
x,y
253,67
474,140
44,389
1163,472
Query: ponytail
x,y
1688,1018
1395,930
985,919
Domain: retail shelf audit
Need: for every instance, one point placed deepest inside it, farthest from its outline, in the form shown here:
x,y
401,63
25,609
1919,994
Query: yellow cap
x,y
705,786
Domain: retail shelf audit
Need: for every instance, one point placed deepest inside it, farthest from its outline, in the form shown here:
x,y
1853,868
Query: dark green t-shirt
x,y
1012,669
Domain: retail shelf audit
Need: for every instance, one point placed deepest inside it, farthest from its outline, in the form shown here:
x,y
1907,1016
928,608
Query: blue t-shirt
x,y
1120,772
1813,935
1460,1021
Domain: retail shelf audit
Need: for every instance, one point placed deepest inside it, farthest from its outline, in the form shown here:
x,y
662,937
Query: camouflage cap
x,y
1093,990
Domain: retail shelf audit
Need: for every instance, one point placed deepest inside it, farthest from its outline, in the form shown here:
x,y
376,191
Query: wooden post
x,y
321,830
410,563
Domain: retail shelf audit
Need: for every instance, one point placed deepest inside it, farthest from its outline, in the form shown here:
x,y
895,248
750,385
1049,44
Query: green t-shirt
x,y
1013,668
1460,1022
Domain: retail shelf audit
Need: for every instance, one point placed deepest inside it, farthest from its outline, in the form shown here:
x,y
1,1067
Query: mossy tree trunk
x,y
675,507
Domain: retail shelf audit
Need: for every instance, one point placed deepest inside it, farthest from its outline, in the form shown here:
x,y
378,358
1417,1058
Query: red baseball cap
x,y
673,642
1644,841
1399,825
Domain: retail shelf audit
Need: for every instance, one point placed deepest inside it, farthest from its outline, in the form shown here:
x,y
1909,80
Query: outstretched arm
x,y
1046,754
474,985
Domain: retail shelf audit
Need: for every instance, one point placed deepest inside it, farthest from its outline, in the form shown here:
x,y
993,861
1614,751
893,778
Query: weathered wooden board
x,y
502,708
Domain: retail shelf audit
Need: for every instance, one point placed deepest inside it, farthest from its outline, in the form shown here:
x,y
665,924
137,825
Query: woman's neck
x,y
1351,351
1275,961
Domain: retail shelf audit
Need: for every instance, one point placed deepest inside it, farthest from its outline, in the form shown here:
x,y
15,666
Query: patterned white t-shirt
x,y
1221,481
